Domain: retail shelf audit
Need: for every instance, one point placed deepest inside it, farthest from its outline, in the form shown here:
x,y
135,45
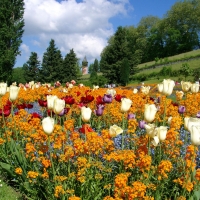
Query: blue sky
x,y
84,25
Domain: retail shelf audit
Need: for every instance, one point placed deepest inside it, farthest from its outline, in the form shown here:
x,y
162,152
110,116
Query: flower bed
x,y
75,143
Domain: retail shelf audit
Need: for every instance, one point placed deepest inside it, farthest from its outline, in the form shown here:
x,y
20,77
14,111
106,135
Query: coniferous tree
x,y
124,72
51,64
70,69
32,68
11,31
113,55
96,65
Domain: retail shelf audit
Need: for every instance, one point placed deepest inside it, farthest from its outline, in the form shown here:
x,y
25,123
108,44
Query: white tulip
x,y
115,130
58,106
161,132
150,130
145,89
195,135
150,112
14,91
169,120
155,141
95,87
3,88
166,87
70,85
48,125
195,87
50,101
112,92
125,104
160,87
185,86
86,113
135,91
191,121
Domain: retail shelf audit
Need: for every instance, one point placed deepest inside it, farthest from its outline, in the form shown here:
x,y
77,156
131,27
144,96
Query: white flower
x,y
161,132
150,130
50,101
112,92
86,113
191,121
155,141
115,130
14,91
185,86
58,106
3,88
195,87
95,87
150,112
166,87
145,89
125,104
135,90
195,135
48,125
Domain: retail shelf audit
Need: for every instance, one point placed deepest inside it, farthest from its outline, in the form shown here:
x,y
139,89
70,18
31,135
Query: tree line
x,y
177,32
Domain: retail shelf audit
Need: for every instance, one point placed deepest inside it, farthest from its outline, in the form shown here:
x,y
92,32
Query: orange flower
x,y
18,170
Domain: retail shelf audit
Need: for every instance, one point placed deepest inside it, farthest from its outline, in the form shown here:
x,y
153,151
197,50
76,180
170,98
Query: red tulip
x,y
118,97
85,129
42,103
99,100
69,100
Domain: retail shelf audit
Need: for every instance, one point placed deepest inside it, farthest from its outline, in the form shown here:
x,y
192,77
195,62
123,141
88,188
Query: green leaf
x,y
7,168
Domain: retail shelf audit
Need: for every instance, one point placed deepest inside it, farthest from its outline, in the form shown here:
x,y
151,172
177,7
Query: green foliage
x,y
52,63
124,72
153,39
113,55
185,70
96,65
32,68
70,70
166,71
18,75
11,31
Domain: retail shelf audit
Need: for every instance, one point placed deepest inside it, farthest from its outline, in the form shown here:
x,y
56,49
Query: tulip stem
x,y
49,145
123,127
165,106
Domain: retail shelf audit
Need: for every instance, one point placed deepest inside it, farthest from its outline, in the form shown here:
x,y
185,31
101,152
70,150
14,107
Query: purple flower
x,y
99,110
181,109
107,98
141,124
198,115
131,116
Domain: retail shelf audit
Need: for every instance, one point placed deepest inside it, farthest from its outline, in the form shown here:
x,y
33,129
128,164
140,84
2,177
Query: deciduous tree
x,y
11,31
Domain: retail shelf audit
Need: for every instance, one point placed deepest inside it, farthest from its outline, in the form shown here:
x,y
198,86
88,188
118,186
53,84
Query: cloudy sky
x,y
84,25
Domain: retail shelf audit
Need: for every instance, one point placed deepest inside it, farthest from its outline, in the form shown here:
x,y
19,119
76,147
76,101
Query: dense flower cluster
x,y
73,142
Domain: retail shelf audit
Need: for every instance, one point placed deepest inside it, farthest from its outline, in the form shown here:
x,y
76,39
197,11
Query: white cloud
x,y
25,48
83,26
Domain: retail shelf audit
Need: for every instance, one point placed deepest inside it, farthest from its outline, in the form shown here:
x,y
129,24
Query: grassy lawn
x,y
7,192
173,58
